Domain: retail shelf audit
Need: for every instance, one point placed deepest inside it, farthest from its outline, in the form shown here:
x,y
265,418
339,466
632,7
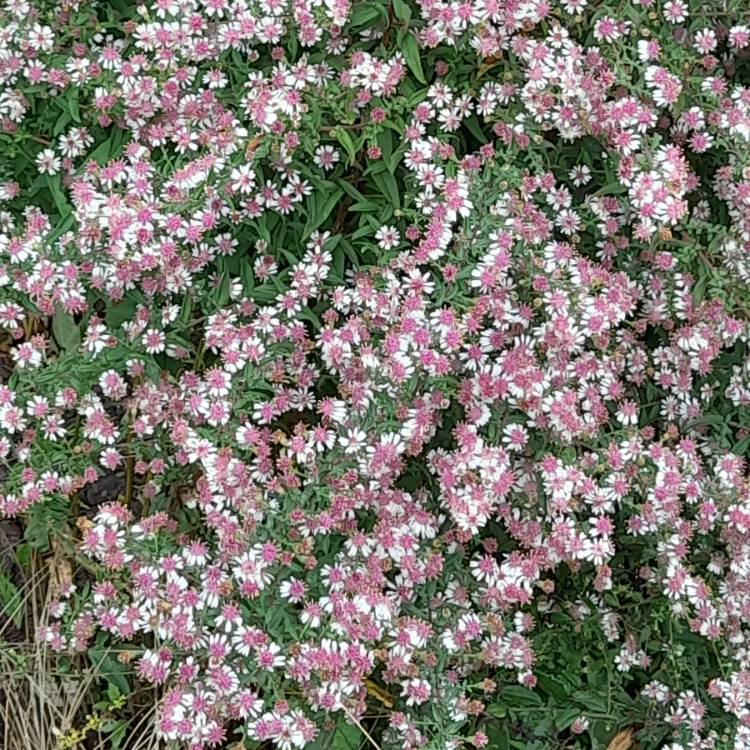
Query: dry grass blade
x,y
39,702
361,728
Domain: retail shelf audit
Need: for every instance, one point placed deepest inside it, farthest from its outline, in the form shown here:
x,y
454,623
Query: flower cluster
x,y
414,339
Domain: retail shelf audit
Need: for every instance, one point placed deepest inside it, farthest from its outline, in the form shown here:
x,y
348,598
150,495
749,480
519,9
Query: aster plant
x,y
376,374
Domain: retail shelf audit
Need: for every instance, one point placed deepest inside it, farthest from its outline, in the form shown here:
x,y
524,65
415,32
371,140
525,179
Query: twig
x,y
362,729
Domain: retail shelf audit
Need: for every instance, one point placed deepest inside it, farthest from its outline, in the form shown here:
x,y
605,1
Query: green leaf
x,y
23,555
362,203
321,212
109,669
347,737
339,262
117,731
410,50
101,152
565,717
364,206
385,142
393,162
498,734
699,290
402,11
118,314
61,124
542,727
55,187
518,695
552,687
388,186
498,710
473,126
73,108
42,518
343,137
350,190
741,447
11,601
63,226
186,310
592,701
66,331
307,314
221,292
613,188
364,14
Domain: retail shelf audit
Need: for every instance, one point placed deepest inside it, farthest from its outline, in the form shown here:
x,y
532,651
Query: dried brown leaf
x,y
60,571
622,740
